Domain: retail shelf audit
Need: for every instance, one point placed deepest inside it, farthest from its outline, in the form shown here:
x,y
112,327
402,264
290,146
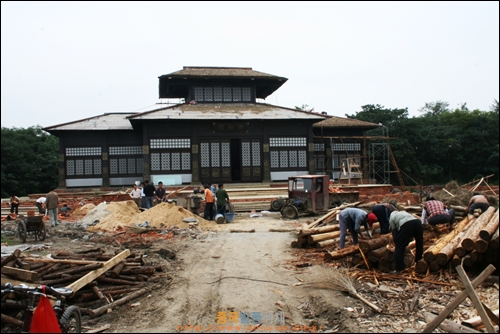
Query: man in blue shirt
x,y
352,219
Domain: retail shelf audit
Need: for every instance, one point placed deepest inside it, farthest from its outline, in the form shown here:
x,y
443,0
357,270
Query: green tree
x,y
29,161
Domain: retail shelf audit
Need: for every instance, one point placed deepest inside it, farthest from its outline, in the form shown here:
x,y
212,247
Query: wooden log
x,y
145,270
10,320
430,253
98,272
322,218
92,250
390,251
63,279
409,259
319,230
12,257
33,259
494,240
98,293
476,256
104,309
115,281
467,261
369,244
458,208
35,266
326,243
384,266
434,266
473,232
481,245
455,261
448,325
73,270
21,274
421,267
321,237
44,267
458,299
117,269
376,254
329,256
447,252
490,228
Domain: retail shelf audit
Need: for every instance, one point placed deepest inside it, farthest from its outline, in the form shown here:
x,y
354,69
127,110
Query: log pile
x,y
99,281
473,241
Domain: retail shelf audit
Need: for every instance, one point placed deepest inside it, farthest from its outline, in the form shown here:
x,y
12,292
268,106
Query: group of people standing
x,y
403,225
215,201
146,196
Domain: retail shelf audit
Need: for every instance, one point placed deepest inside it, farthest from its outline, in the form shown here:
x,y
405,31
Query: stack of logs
x,y
474,240
320,237
99,281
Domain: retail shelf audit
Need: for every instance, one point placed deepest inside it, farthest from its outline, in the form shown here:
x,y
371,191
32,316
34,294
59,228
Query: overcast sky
x,y
65,61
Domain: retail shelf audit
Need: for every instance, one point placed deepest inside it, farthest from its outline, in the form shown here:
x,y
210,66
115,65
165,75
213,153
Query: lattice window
x,y
302,159
256,153
176,161
82,151
122,166
217,94
236,94
287,142
293,158
165,161
125,150
205,155
245,154
140,165
347,147
208,94
319,147
225,155
79,167
275,162
131,165
70,167
319,162
88,166
170,143
155,161
246,94
228,95
284,159
198,93
186,161
215,155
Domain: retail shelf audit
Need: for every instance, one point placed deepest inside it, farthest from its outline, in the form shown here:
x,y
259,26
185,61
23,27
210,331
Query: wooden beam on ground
x,y
458,299
34,259
450,326
477,321
475,300
77,285
11,257
24,275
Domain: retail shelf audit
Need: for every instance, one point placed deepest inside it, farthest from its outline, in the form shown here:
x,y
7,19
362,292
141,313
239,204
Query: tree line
x,y
438,146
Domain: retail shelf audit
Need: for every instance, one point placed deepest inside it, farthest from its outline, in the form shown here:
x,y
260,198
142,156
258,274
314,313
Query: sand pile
x,y
116,215
84,210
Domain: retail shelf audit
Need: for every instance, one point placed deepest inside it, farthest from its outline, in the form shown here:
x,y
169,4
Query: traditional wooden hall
x,y
219,132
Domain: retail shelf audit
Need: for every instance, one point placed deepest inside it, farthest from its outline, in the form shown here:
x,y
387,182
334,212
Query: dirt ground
x,y
219,280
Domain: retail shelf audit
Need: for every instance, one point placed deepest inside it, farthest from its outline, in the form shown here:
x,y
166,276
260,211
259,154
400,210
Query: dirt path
x,y
225,274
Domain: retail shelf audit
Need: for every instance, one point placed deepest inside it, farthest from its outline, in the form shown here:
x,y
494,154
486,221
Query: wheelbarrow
x,y
31,225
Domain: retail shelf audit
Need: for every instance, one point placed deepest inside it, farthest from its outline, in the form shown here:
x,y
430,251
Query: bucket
x,y
229,217
219,219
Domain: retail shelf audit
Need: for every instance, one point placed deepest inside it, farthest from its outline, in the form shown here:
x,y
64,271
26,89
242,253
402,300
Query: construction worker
x,y
435,212
208,212
405,227
352,219
14,204
383,212
478,201
222,199
40,203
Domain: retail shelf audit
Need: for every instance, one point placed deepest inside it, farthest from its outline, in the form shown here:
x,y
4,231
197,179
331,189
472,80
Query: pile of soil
x,y
119,215
84,210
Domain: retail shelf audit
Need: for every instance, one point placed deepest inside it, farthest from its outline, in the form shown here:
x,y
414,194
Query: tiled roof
x,y
341,122
108,121
241,72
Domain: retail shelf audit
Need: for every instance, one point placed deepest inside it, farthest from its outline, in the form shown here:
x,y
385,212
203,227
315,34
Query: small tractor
x,y
311,194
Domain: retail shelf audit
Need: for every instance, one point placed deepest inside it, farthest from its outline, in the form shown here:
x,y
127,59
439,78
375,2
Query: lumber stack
x,y
473,241
99,281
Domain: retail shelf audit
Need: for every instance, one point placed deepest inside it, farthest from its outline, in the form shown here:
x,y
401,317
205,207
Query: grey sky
x,y
64,61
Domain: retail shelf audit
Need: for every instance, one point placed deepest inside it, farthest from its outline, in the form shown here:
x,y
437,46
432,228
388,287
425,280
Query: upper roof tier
x,y
177,84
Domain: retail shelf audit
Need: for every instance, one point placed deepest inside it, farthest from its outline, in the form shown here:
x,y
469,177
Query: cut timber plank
x,y
450,326
458,299
475,300
34,259
24,275
77,285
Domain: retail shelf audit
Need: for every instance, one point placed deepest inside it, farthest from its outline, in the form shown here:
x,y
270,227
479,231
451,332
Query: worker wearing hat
x,y
382,212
